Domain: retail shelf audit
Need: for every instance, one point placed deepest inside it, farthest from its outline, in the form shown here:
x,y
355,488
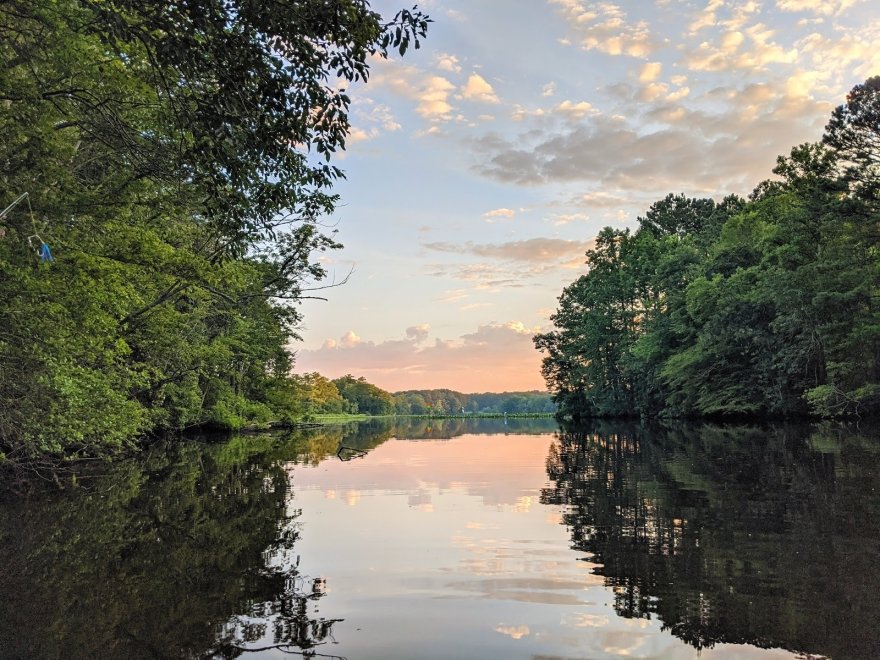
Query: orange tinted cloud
x,y
496,357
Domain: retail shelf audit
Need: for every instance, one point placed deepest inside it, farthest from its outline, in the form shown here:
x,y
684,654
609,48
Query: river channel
x,y
456,539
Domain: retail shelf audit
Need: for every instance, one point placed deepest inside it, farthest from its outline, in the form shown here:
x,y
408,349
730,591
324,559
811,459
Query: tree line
x,y
766,306
314,394
165,169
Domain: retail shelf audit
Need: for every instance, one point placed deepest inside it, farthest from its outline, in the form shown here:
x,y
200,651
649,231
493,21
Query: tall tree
x,y
176,159
854,134
760,307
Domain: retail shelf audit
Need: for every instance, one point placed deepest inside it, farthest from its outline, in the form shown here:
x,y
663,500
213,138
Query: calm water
x,y
458,540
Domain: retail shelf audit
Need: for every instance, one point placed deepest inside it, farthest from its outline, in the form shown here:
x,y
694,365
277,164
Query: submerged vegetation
x,y
165,171
765,306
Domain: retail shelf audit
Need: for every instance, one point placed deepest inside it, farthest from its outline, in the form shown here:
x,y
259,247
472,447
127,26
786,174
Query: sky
x,y
481,167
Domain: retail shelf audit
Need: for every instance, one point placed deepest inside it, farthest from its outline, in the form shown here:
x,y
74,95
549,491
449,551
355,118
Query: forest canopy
x,y
171,166
765,306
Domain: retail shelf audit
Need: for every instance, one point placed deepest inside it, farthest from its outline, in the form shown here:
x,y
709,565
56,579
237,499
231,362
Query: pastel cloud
x,y
369,120
599,199
433,98
510,265
533,250
709,140
519,112
761,52
727,145
603,26
567,110
447,62
706,17
418,332
454,296
485,277
493,215
434,93
566,218
575,110
743,38
599,208
650,71
495,357
430,92
515,632
822,7
349,340
360,135
828,54
478,89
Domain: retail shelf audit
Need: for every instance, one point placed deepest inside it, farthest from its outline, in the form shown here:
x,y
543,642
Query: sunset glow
x,y
482,166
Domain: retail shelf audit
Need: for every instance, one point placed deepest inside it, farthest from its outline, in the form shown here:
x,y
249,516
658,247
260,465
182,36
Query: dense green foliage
x,y
314,395
175,155
363,397
766,306
449,402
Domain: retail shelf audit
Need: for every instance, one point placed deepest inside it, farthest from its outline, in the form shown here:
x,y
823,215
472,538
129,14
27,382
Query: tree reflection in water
x,y
764,536
189,553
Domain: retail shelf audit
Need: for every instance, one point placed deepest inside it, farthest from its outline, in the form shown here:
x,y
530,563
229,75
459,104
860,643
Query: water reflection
x,y
355,439
456,545
763,536
187,553
370,433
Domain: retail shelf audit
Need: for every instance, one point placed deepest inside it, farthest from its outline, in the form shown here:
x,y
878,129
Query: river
x,y
457,539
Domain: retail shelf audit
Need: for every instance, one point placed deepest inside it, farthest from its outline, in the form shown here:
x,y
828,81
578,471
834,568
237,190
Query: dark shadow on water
x,y
744,535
